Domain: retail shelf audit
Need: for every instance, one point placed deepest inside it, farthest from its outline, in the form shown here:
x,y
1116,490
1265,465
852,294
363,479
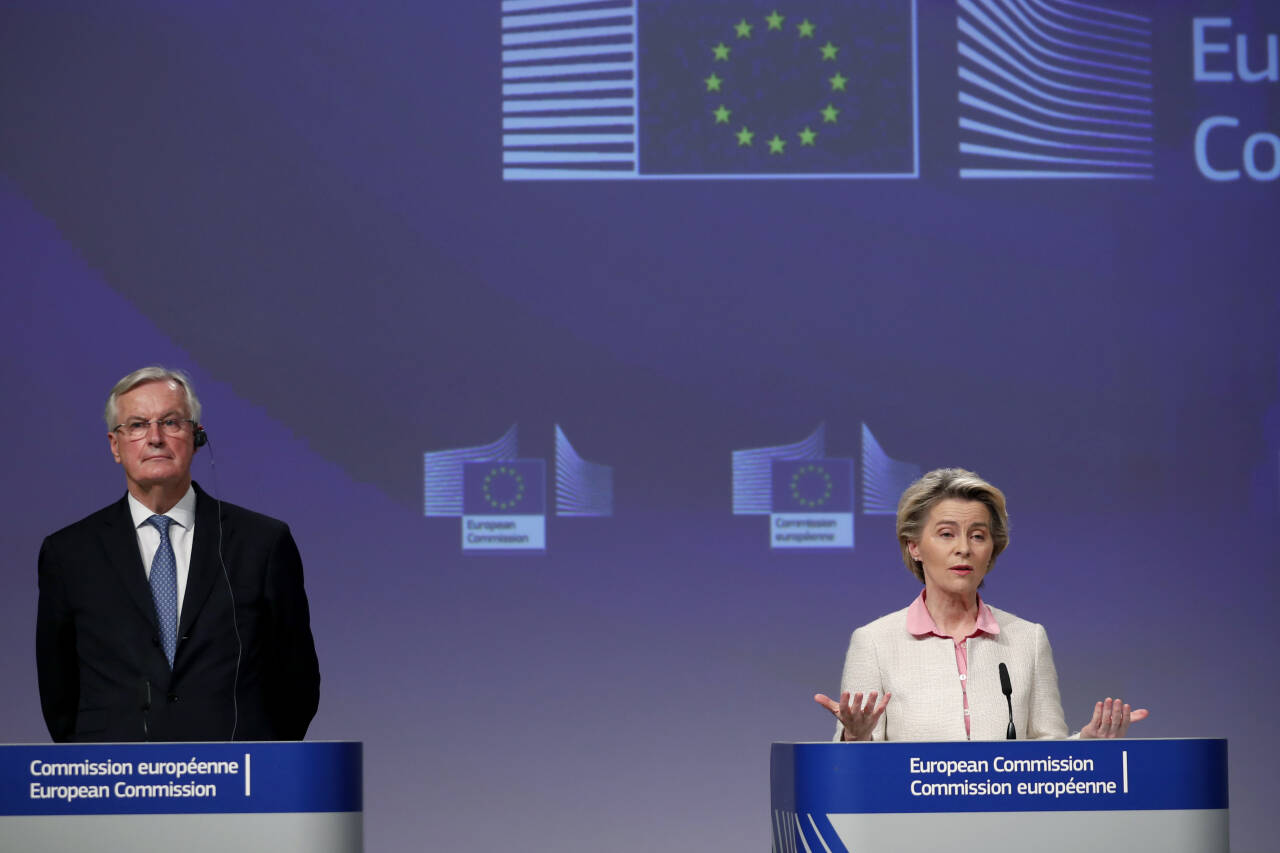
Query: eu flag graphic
x,y
813,485
709,89
504,505
516,487
812,504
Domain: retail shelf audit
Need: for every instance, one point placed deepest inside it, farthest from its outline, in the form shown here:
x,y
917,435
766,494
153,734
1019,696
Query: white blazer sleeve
x,y
1044,716
862,675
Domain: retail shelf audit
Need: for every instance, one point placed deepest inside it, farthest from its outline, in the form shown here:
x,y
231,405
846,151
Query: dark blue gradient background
x,y
302,204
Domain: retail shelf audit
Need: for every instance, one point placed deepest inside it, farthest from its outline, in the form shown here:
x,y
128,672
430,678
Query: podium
x,y
1059,796
189,797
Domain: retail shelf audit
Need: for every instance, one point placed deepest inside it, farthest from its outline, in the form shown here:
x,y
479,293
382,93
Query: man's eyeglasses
x,y
138,430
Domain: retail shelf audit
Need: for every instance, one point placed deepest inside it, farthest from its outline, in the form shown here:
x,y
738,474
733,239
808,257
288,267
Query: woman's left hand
x,y
1111,719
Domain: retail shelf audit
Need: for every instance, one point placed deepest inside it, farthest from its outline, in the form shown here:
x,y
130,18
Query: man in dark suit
x,y
169,615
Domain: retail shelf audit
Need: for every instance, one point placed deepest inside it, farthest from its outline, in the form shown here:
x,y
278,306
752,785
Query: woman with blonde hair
x,y
940,668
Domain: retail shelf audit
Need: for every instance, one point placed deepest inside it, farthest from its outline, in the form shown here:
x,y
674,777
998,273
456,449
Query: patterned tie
x,y
164,586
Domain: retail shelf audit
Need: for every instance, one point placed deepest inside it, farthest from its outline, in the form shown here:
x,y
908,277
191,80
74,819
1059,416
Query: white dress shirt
x,y
181,533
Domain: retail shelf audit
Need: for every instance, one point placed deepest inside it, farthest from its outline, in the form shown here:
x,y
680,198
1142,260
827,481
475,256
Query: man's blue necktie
x,y
164,586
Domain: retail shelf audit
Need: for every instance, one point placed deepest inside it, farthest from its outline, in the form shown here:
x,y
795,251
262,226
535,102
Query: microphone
x,y
1007,689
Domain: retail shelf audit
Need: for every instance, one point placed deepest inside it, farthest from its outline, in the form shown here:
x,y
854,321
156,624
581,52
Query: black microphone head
x,y
1005,687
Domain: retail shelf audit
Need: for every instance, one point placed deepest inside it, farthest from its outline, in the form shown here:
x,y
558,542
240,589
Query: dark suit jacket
x,y
103,674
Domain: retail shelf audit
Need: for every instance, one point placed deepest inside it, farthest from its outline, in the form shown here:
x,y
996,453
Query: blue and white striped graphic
x,y
753,471
582,488
883,479
442,472
569,89
791,830
1054,89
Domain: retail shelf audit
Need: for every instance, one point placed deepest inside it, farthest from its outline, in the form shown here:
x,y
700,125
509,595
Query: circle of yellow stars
x,y
503,472
827,52
811,472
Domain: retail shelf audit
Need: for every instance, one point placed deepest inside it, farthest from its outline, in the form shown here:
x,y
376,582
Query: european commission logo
x,y
504,505
812,504
501,499
709,89
808,496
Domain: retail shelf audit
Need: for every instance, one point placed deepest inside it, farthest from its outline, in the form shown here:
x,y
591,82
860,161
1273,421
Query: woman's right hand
x,y
859,718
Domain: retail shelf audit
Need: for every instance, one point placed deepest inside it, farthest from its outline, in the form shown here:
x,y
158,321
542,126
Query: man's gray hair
x,y
144,375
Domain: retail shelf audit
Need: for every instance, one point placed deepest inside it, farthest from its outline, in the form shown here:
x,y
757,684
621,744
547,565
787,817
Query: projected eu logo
x,y
1042,98
504,505
809,497
717,88
812,504
501,499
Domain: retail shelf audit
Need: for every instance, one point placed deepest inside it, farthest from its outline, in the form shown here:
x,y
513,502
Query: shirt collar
x,y
183,512
921,624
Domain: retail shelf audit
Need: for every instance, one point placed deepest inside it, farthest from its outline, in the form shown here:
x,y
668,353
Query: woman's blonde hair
x,y
939,485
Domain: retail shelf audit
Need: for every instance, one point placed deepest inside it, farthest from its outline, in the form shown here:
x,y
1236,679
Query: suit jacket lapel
x,y
206,566
120,541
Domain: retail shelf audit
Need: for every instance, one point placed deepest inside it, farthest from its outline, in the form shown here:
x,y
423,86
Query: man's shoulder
x,y
245,517
112,513
241,517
